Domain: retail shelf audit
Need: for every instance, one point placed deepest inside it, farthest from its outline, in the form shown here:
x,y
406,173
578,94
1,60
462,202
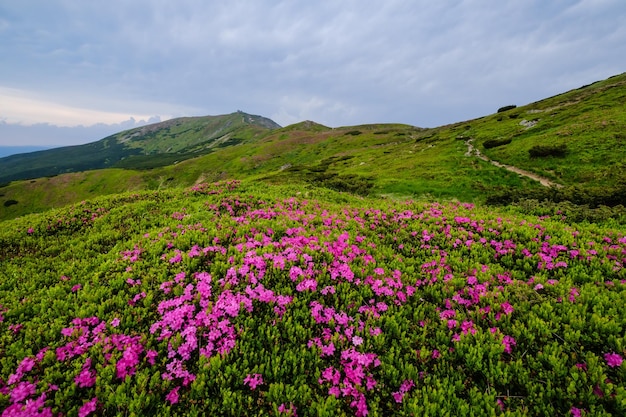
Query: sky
x,y
75,71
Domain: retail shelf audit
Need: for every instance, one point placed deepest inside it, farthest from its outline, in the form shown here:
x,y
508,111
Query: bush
x,y
505,108
547,150
354,133
590,197
493,143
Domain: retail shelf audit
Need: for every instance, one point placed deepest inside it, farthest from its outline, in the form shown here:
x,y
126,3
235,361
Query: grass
x,y
394,159
468,310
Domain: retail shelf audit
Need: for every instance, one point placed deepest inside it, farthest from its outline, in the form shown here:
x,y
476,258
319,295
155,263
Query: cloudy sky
x,y
74,71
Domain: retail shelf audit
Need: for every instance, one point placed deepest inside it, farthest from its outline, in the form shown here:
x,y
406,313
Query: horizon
x,y
78,72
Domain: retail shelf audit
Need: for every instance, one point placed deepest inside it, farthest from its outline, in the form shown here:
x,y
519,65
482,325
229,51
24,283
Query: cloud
x,y
45,134
339,63
21,107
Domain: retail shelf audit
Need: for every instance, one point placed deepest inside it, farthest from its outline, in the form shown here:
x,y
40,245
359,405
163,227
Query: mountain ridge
x,y
574,139
163,143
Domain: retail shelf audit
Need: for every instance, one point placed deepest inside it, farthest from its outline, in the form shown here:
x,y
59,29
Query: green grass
x,y
392,159
536,305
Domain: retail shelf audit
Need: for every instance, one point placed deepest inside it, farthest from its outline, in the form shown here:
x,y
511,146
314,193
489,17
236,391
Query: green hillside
x,y
145,147
573,141
474,269
243,298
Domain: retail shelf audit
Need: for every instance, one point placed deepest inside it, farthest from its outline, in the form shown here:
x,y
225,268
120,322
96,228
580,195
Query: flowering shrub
x,y
227,299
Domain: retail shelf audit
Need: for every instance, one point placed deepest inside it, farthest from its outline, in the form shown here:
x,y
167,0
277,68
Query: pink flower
x,y
88,408
613,360
76,287
468,327
176,258
507,308
328,350
357,340
406,385
172,397
22,391
253,380
87,377
15,328
397,396
582,366
508,342
375,331
500,404
115,322
151,356
27,364
576,412
289,411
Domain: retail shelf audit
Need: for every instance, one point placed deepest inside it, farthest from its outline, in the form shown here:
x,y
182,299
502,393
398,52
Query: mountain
x,y
569,147
319,271
145,147
14,150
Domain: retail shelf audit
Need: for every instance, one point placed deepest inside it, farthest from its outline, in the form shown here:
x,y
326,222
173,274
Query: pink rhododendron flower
x,y
507,308
508,342
613,360
397,396
576,412
582,366
88,408
22,391
15,328
115,322
76,287
253,380
87,377
291,411
172,396
151,356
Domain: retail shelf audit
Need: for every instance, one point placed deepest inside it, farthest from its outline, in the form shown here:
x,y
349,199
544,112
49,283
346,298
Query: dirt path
x,y
473,151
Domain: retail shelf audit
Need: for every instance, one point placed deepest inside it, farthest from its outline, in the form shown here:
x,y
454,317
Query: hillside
x,y
574,140
370,270
243,298
144,147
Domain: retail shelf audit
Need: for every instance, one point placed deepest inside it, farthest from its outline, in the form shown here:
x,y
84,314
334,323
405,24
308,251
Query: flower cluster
x,y
297,306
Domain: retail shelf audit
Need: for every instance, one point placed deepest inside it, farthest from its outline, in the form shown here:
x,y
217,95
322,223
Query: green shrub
x,y
505,108
493,143
539,151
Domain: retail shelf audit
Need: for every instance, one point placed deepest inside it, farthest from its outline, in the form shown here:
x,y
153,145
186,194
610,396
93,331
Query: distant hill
x,y
148,146
14,150
569,147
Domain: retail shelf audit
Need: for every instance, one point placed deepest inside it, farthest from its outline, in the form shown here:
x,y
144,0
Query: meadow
x,y
245,298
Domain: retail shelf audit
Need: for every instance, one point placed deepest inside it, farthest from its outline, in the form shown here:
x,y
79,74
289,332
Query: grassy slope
x,y
393,160
573,321
590,121
149,146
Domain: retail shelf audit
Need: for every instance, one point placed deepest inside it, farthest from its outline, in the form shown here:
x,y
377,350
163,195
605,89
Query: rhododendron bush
x,y
234,299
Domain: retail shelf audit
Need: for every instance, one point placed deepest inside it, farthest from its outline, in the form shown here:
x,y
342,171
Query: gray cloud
x,y
418,62
45,134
